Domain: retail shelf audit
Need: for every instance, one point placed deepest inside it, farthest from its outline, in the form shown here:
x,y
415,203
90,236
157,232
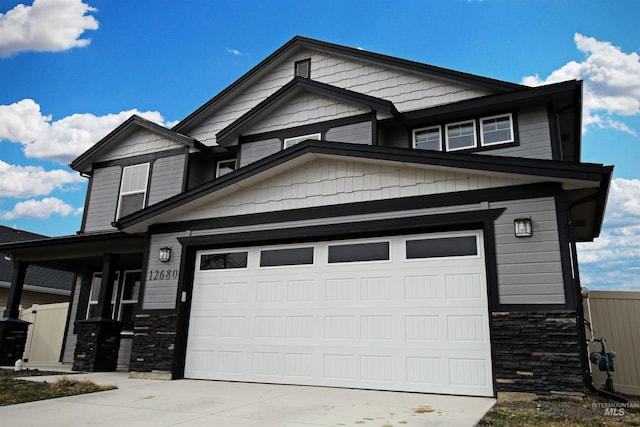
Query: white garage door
x,y
404,313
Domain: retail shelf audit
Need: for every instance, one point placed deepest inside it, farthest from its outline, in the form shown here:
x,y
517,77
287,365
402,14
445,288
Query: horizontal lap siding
x,y
167,178
357,133
534,136
254,151
103,199
160,293
530,268
70,342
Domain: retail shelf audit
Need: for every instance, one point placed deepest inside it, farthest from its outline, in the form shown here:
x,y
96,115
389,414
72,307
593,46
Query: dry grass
x,y
561,412
14,390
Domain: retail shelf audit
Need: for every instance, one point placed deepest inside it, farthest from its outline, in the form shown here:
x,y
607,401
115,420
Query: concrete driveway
x,y
139,402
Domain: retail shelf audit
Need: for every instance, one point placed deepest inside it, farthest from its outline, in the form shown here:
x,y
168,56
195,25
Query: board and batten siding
x,y
529,268
161,280
167,178
139,143
407,90
103,199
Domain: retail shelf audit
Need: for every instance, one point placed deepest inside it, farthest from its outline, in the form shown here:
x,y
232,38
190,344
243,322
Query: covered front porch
x,y
108,269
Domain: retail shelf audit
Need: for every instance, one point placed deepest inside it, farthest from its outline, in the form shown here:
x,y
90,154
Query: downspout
x,y
577,289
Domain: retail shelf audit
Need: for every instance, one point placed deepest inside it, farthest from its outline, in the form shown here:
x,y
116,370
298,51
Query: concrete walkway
x,y
139,402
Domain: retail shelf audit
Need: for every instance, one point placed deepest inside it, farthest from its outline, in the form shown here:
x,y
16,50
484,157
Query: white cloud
x,y
30,181
611,82
235,52
610,261
61,140
41,209
46,26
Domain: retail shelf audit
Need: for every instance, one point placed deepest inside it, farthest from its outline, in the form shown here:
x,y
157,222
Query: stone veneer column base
x,y
536,352
97,346
154,341
13,338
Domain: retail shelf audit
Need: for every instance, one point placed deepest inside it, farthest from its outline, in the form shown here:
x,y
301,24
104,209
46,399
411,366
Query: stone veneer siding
x,y
536,352
97,346
154,338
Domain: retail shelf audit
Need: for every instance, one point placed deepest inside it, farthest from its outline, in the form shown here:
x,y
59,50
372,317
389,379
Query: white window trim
x,y
128,193
475,135
224,161
429,128
290,142
488,144
114,293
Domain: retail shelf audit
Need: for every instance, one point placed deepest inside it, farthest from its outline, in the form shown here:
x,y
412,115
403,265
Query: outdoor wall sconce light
x,y
523,227
165,254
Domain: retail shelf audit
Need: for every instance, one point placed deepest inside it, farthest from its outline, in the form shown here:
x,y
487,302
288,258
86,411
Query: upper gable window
x,y
428,138
290,142
224,167
133,189
496,130
303,68
461,135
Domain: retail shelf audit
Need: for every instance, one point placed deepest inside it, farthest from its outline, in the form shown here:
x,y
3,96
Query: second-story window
x,y
461,135
224,167
133,189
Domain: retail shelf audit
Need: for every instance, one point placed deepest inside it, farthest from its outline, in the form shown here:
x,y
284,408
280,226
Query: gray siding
x,y
103,199
254,151
357,133
535,136
161,294
167,178
70,342
530,268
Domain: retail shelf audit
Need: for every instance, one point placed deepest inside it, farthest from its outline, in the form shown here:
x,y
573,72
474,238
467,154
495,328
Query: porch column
x,y
13,331
99,337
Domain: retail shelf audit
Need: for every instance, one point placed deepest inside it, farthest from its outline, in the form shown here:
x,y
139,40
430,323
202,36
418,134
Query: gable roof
x,y
571,175
84,161
299,42
293,88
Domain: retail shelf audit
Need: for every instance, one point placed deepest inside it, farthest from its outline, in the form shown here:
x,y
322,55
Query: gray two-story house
x,y
338,217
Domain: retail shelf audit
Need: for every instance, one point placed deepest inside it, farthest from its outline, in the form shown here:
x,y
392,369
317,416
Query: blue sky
x,y
72,70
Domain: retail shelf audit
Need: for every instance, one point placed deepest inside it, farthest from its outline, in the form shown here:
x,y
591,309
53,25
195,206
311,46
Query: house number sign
x,y
165,274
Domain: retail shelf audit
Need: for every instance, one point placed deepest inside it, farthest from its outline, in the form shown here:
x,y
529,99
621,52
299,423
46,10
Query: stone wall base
x,y
97,346
537,352
154,340
13,338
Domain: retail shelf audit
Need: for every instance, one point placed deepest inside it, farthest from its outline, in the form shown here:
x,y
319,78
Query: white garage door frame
x,y
394,324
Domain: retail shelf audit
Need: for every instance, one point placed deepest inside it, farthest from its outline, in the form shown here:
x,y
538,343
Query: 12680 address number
x,y
168,274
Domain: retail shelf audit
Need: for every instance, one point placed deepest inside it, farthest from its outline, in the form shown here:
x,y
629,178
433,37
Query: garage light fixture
x,y
523,227
165,254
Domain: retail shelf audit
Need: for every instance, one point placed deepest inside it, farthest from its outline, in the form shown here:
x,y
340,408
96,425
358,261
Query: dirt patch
x,y
589,411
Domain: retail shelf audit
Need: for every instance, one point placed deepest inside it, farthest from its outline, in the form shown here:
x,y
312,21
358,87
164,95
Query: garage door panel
x,y
397,324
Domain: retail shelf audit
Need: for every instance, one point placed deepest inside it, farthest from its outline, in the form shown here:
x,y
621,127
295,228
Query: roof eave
x,y
588,173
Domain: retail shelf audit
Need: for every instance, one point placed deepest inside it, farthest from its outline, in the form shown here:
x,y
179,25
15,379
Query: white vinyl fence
x,y
615,316
46,332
